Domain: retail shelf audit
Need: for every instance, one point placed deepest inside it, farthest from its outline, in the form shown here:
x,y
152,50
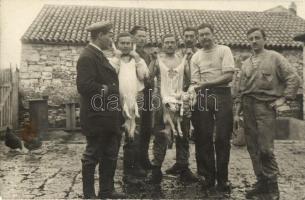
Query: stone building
x,y
53,42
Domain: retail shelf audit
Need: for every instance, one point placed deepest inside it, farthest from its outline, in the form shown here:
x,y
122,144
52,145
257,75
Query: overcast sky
x,y
17,15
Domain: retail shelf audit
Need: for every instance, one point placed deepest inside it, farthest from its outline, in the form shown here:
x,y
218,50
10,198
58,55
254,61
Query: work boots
x,y
224,186
143,154
156,175
260,187
270,189
274,193
184,171
131,163
135,170
113,195
175,169
186,175
132,171
88,181
106,175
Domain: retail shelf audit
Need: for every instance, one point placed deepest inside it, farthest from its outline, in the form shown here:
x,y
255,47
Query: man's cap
x,y
100,26
136,28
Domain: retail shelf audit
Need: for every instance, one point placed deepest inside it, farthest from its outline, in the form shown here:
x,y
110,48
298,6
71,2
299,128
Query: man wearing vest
x,y
169,68
181,167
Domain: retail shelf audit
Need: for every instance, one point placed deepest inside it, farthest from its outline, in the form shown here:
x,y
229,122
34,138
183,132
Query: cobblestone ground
x,y
54,171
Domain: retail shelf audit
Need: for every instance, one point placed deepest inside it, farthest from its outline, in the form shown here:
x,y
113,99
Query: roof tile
x,y
66,24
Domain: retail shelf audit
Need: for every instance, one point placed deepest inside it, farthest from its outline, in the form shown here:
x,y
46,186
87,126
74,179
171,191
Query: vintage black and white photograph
x,y
151,99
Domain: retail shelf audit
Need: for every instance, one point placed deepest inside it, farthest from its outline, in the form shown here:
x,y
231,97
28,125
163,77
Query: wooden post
x,y
15,98
70,116
6,100
39,116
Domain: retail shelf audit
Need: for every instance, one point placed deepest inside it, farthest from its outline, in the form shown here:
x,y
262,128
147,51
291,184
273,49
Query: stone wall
x,y
49,70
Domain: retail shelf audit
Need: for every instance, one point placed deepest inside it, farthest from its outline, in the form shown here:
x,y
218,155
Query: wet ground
x,y
54,171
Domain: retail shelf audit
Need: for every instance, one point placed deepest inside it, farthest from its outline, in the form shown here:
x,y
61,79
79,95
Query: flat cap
x,y
137,28
102,25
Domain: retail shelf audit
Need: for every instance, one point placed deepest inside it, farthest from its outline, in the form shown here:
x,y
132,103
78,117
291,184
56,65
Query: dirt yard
x,y
54,171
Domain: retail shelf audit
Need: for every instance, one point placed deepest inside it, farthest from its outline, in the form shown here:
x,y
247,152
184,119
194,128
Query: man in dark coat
x,y
100,113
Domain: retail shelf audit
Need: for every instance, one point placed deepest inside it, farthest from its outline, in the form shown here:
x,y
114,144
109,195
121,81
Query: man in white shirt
x,y
212,69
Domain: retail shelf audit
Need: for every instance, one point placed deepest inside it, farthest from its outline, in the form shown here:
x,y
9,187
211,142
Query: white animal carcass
x,y
171,93
128,94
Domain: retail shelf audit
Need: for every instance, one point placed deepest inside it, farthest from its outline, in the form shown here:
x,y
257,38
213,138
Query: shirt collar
x,y
97,47
211,49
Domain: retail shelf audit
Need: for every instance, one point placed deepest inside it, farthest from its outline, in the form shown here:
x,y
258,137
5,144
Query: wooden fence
x,y
9,98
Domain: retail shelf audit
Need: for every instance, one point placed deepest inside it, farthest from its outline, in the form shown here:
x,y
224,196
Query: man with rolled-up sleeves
x,y
212,69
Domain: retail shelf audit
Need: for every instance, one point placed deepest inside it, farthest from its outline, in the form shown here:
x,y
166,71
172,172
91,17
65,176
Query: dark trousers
x,y
161,143
182,143
259,127
213,111
131,147
137,148
146,127
101,147
103,150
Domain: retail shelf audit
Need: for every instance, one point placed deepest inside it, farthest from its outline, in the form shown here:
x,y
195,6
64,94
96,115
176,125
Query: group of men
x,y
267,81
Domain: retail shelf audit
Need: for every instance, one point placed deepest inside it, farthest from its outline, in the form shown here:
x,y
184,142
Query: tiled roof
x,y
65,24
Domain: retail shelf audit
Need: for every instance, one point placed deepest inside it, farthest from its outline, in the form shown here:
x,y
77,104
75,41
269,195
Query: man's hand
x,y
280,105
135,55
277,103
201,86
117,53
236,119
192,95
236,122
191,90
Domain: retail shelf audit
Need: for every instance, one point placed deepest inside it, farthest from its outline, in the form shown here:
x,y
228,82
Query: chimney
x,y
293,8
